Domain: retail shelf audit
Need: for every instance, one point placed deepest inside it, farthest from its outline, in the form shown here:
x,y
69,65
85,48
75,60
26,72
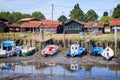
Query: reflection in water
x,y
76,70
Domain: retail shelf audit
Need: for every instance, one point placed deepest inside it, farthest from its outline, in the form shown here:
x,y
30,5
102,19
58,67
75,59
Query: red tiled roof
x,y
93,25
13,25
115,22
31,24
50,24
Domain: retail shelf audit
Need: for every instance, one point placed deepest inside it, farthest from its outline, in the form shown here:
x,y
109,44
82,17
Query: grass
x,y
85,37
106,38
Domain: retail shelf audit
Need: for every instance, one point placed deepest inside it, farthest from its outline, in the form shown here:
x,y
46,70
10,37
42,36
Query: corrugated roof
x,y
28,19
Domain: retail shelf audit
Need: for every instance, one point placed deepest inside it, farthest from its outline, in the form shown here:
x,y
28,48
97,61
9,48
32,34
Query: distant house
x,y
13,27
94,27
30,24
50,26
75,26
114,23
3,26
71,27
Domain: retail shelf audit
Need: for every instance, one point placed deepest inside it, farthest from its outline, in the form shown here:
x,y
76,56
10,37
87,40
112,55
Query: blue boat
x,y
96,51
76,50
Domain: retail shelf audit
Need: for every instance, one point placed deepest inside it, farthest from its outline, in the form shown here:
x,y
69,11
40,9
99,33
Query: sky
x,y
60,7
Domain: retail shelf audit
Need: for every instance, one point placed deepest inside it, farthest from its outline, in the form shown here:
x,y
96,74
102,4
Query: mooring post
x,y
115,31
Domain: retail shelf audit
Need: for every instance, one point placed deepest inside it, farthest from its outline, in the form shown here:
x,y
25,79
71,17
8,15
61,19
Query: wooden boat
x,y
49,50
75,50
28,51
107,53
96,51
9,48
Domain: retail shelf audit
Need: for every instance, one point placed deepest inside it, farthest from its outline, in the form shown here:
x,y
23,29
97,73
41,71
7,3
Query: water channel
x,y
90,72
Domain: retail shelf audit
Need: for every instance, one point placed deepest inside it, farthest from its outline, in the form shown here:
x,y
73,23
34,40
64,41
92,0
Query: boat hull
x,y
28,52
108,53
49,50
80,52
96,51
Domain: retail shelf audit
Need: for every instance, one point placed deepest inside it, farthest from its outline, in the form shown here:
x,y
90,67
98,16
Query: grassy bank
x,y
85,37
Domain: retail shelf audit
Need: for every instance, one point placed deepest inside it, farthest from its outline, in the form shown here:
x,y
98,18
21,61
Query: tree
x,y
26,15
91,15
105,13
16,16
104,19
116,12
38,15
62,18
5,15
77,13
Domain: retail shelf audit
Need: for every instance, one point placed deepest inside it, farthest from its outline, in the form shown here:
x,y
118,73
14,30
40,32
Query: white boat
x,y
8,48
107,53
49,50
28,51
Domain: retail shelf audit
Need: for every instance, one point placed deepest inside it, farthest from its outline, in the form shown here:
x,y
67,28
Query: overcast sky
x,y
60,6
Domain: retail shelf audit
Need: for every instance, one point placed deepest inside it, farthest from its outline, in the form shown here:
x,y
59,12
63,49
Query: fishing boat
x,y
9,48
76,50
49,50
108,53
28,51
96,51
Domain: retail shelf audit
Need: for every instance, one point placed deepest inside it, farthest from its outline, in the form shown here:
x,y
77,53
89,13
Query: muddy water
x,y
77,71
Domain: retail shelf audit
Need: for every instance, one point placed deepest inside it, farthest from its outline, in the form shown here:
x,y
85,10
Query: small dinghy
x,y
75,50
107,53
96,51
49,50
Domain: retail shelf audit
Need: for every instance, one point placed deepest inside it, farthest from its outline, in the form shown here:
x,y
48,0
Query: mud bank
x,y
59,58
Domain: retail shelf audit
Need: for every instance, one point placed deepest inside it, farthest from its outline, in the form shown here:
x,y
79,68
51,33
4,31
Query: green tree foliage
x,y
77,13
38,15
91,15
26,16
116,12
16,16
104,19
105,13
62,18
5,15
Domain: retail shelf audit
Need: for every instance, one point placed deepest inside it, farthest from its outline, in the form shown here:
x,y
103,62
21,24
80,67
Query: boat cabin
x,y
74,48
8,45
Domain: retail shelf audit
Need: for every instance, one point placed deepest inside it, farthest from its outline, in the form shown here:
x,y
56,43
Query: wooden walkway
x,y
46,39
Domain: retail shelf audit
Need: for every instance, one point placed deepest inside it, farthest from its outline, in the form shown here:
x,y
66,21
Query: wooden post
x,y
115,32
64,39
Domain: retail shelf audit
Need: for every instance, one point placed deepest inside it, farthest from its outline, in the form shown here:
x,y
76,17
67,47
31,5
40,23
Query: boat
x,y
7,66
96,51
28,51
50,63
76,50
9,48
49,50
108,53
